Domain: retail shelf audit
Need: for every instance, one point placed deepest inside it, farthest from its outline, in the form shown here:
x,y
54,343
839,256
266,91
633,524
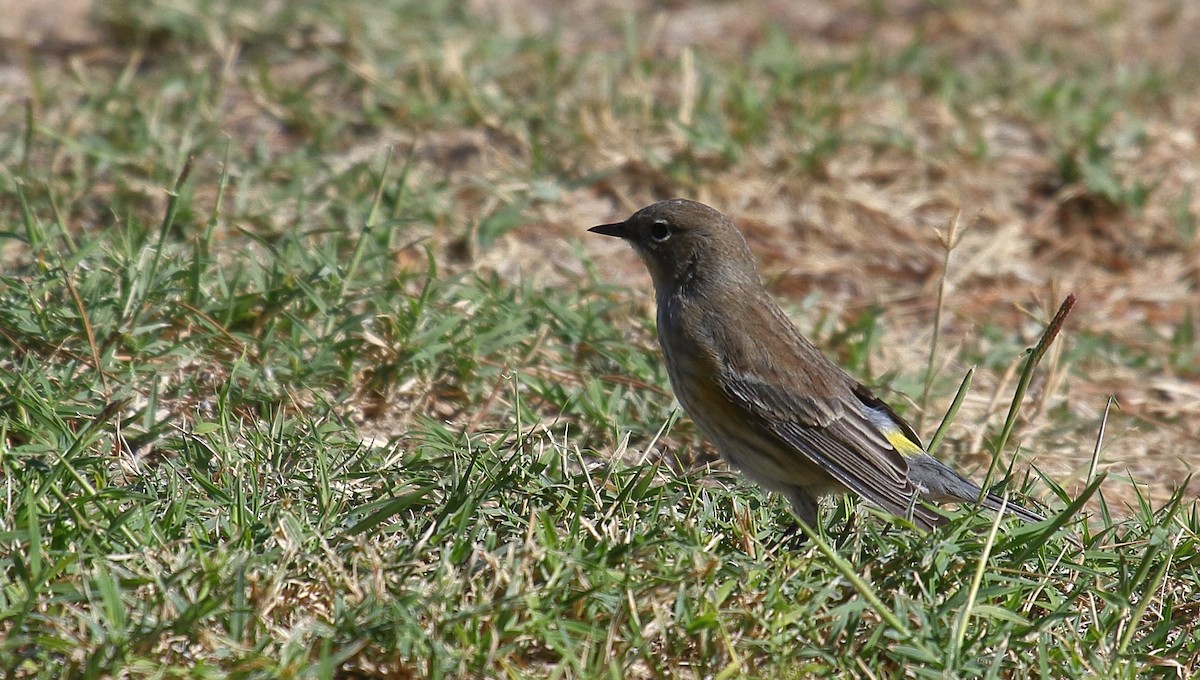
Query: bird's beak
x,y
618,229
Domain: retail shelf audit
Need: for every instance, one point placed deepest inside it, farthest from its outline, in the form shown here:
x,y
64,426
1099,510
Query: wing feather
x,y
837,435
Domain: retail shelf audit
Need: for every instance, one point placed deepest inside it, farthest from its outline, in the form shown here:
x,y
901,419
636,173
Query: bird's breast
x,y
692,358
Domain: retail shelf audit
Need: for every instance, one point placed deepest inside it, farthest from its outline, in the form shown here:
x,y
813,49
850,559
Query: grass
x,y
306,369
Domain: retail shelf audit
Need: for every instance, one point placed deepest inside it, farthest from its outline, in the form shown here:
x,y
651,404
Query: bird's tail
x,y
939,484
993,502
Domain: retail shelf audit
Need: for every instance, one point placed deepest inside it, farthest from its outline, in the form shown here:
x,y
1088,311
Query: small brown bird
x,y
773,405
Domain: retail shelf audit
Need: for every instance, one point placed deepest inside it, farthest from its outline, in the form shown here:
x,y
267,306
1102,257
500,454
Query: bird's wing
x,y
940,482
897,431
838,435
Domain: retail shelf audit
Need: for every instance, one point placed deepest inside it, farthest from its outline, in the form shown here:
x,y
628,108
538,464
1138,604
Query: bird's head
x,y
684,242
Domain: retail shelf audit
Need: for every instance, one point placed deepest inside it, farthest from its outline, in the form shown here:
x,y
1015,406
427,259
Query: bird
x,y
775,407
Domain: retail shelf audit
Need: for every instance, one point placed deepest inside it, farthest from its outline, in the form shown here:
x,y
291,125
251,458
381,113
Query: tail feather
x,y
940,483
993,502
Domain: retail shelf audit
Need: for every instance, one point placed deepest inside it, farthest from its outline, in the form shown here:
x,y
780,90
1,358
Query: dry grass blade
x,y
949,241
1095,462
1031,362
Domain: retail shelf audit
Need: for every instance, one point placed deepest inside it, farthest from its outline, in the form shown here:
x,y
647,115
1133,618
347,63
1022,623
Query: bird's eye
x,y
659,231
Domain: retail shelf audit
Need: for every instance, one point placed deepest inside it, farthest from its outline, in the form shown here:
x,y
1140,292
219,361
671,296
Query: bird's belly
x,y
742,443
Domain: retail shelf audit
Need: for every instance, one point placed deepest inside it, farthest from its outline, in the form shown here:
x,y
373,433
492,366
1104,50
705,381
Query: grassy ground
x,y
308,368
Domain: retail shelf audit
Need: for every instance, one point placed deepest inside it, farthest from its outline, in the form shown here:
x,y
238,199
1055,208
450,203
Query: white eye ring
x,y
660,231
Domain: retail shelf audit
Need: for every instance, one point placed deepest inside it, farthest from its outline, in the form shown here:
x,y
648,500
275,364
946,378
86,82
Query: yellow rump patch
x,y
903,444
